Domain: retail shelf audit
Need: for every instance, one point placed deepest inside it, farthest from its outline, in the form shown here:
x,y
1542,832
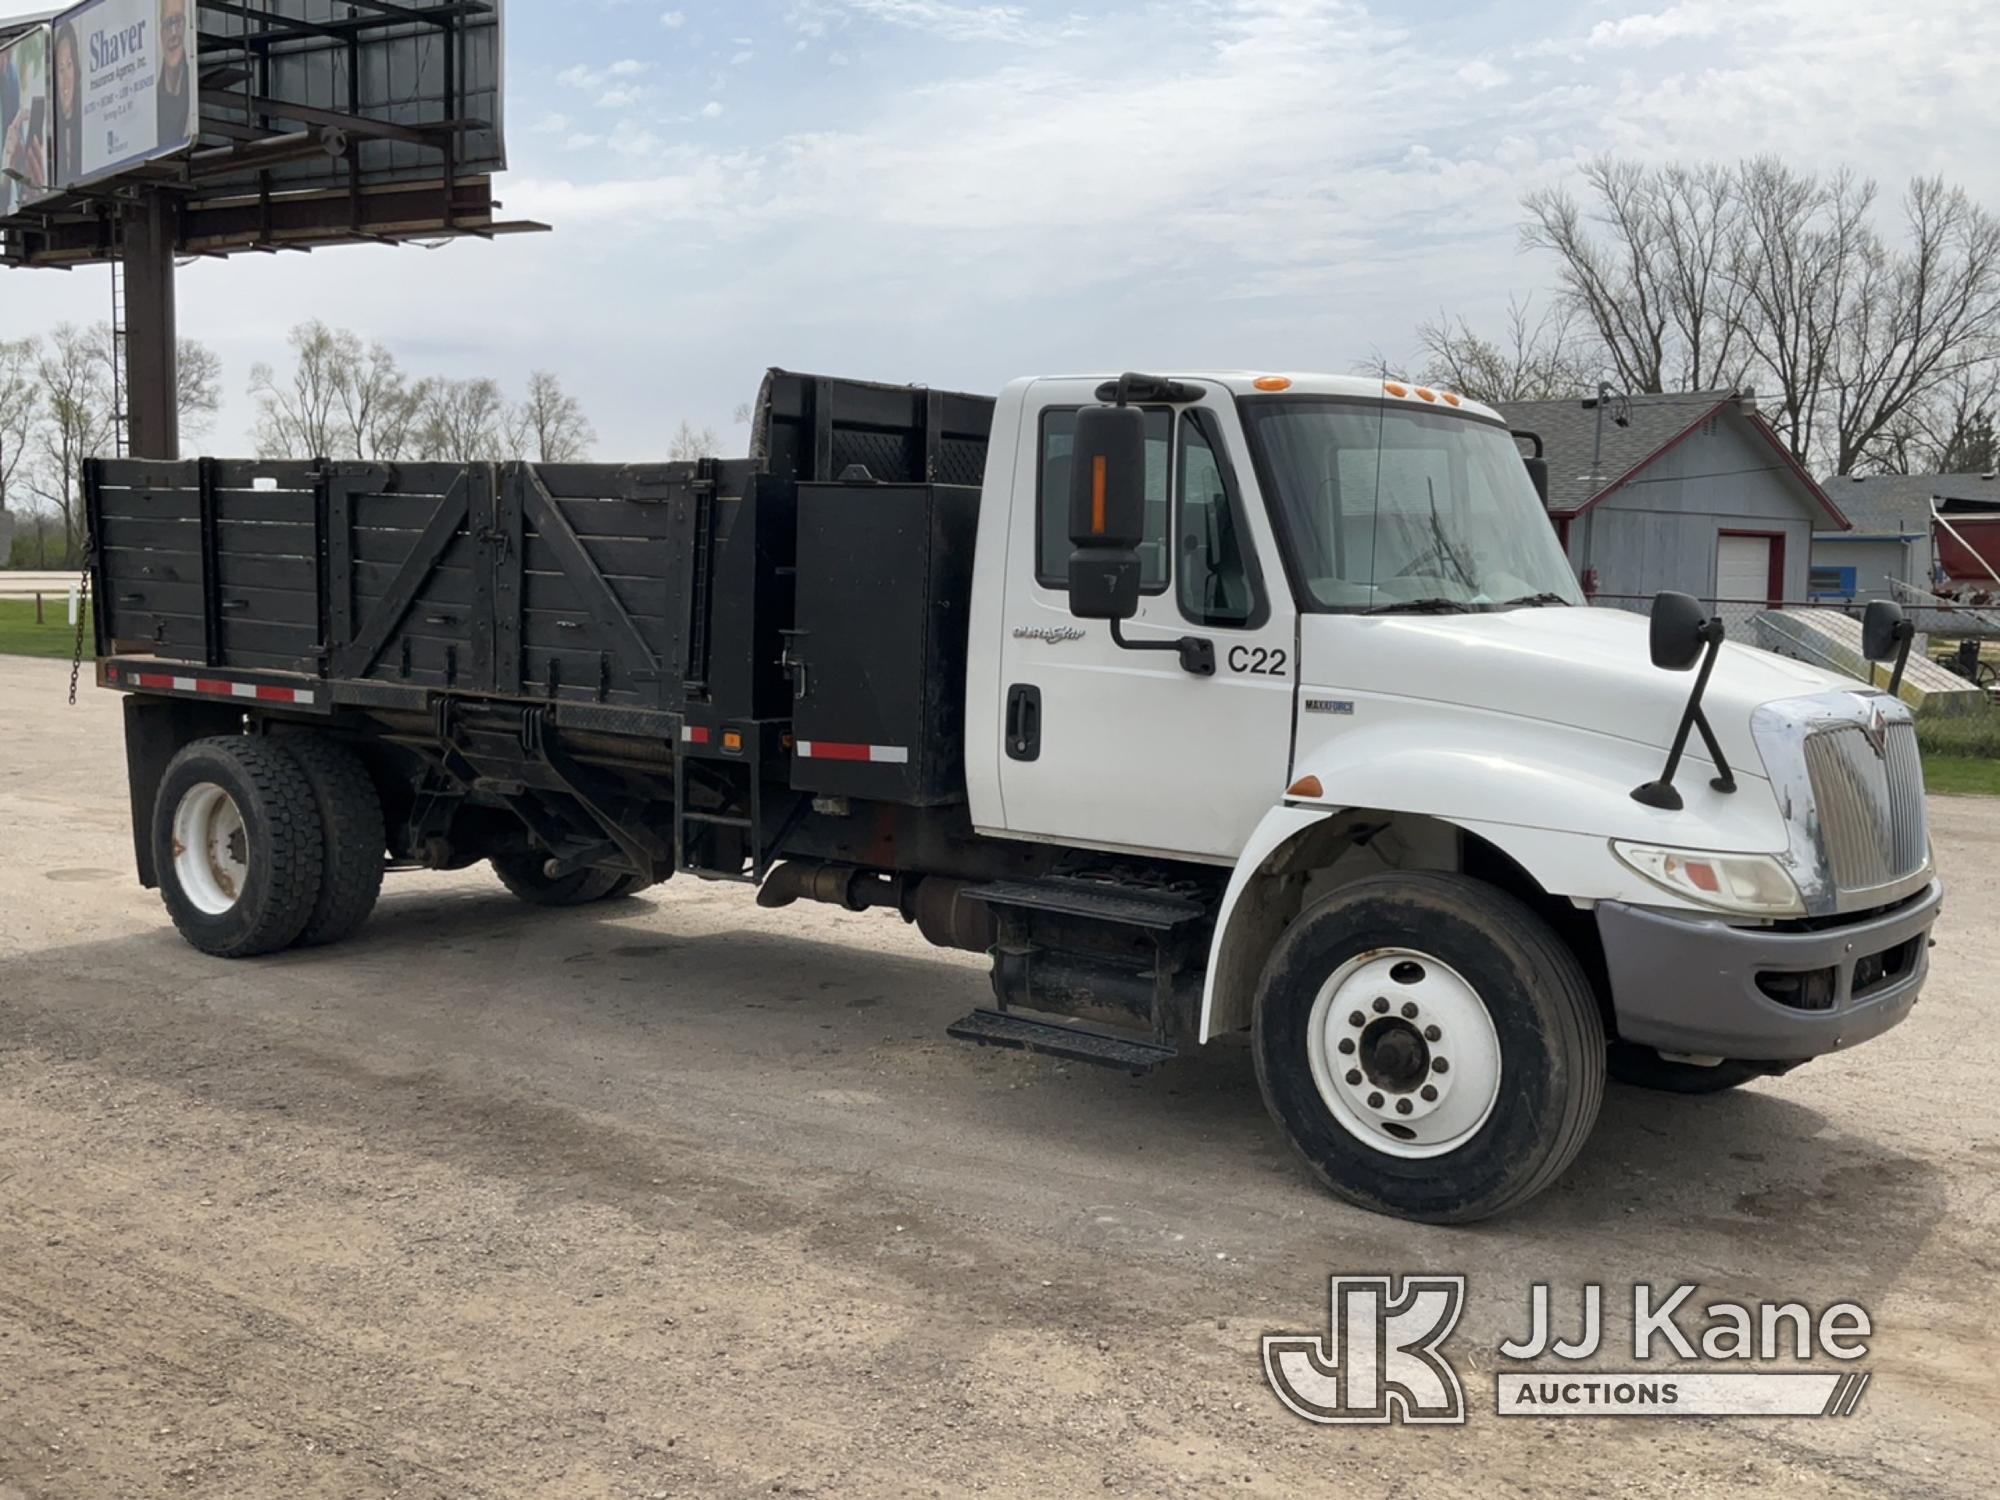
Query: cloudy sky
x,y
955,193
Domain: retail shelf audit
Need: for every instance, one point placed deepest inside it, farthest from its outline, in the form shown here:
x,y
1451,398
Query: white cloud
x,y
674,20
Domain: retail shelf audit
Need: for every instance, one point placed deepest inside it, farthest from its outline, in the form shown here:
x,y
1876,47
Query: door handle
x,y
1024,722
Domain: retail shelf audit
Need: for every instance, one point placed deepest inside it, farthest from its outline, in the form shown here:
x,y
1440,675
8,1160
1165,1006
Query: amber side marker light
x,y
1306,787
1272,383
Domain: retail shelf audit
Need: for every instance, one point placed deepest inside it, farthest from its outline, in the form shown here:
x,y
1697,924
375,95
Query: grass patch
x,y
55,638
1972,736
1962,776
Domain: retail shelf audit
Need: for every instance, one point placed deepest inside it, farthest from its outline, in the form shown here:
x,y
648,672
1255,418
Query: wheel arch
x,y
1300,853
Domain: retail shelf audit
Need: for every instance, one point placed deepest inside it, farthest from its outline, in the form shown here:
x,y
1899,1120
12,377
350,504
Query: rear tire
x,y
236,841
1644,1068
523,875
353,839
1445,995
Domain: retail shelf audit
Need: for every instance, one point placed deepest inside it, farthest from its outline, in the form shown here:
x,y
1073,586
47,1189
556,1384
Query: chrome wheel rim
x,y
211,849
1404,1053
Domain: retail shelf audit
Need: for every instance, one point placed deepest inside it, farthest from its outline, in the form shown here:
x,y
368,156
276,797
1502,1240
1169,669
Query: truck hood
x,y
1583,667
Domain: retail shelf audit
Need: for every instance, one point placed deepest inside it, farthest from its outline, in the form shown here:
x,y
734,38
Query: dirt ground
x,y
681,1198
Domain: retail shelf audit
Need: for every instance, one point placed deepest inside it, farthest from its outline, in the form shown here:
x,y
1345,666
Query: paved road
x,y
683,1198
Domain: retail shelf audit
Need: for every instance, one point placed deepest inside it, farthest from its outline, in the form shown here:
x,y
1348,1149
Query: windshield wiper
x,y
1533,601
1434,606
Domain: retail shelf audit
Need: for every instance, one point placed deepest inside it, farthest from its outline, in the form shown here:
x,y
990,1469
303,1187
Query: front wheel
x,y
1429,1047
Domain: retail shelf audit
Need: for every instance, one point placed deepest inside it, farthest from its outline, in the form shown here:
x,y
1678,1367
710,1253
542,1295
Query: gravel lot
x,y
683,1198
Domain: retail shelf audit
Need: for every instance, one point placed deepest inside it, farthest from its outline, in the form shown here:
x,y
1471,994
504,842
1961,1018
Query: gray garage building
x,y
1690,492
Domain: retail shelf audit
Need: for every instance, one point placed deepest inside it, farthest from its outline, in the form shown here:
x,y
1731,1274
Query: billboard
x,y
124,86
27,136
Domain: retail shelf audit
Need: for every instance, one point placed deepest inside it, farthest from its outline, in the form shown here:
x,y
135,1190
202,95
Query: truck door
x,y
1124,749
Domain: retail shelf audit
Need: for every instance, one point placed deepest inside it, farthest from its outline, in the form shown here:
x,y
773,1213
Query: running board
x,y
992,1028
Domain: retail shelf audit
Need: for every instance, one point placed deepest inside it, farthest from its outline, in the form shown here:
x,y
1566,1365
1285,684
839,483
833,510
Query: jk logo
x,y
1380,1362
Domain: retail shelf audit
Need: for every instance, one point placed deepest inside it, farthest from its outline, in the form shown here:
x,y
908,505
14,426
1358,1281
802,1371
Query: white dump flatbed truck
x,y
1206,704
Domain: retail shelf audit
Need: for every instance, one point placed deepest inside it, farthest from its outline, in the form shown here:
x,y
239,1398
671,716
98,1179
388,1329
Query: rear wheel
x,y
352,837
236,841
1429,1047
526,876
1643,1067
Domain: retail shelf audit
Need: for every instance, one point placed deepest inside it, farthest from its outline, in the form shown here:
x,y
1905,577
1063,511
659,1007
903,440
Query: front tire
x,y
236,841
1429,1047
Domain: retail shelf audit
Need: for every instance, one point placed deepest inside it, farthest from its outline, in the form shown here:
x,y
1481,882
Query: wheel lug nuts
x,y
1357,1019
1409,1010
1354,1078
1430,1093
1347,1046
1374,1101
1441,1065
1432,1034
1381,1007
1402,1106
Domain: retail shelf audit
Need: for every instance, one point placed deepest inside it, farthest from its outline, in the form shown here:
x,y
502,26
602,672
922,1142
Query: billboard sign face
x,y
27,134
124,86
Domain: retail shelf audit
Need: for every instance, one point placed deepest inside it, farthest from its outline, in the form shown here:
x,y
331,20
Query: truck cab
x,y
1208,705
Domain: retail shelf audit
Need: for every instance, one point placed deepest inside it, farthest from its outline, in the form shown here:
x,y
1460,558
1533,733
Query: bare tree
x,y
462,422
1646,267
20,405
378,410
1538,358
1950,429
74,422
198,387
691,442
554,426
300,415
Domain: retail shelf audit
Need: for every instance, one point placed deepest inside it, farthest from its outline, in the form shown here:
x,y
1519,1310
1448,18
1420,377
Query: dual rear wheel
x,y
263,844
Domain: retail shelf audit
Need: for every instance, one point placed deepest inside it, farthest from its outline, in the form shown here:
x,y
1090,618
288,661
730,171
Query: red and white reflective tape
x,y
211,687
694,734
880,755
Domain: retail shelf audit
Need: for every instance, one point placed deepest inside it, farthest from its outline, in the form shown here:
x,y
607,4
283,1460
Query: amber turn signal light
x,y
1307,788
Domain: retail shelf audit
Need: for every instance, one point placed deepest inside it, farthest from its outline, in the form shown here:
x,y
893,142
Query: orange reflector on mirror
x,y
1307,787
1273,383
1100,482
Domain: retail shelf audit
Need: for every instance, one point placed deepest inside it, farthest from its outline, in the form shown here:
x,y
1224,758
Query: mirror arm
x,y
1197,655
1909,632
1662,793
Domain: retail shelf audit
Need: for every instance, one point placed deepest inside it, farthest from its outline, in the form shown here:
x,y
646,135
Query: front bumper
x,y
1691,984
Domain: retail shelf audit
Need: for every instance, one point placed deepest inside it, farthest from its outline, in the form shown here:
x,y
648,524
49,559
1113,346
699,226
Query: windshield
x,y
1391,508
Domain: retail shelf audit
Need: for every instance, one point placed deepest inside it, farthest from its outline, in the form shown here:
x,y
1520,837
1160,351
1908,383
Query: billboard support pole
x,y
151,336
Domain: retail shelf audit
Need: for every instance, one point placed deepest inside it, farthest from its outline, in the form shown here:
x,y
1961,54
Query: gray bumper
x,y
1690,984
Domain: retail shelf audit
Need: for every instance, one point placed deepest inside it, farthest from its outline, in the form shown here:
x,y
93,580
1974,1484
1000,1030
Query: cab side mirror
x,y
1882,630
1681,629
1538,476
1107,512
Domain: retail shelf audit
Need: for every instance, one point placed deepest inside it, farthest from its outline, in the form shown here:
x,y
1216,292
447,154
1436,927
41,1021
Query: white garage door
x,y
1743,567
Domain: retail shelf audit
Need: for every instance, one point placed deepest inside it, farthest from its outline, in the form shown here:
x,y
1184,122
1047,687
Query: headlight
x,y
1753,883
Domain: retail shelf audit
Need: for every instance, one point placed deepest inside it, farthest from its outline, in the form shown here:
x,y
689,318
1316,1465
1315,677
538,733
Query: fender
x,y
1550,797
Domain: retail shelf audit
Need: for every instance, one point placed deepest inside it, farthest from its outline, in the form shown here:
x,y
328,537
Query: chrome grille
x,y
1871,805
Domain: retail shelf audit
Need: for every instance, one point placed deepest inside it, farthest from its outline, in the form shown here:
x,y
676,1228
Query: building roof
x,y
1900,504
1651,426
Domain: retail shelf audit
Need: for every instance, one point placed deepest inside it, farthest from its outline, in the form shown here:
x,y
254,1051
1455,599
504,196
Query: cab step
x,y
993,1028
1098,900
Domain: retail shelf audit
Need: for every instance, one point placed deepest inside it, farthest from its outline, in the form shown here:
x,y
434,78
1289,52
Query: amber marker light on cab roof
x,y
1306,787
1395,390
1426,395
1272,383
